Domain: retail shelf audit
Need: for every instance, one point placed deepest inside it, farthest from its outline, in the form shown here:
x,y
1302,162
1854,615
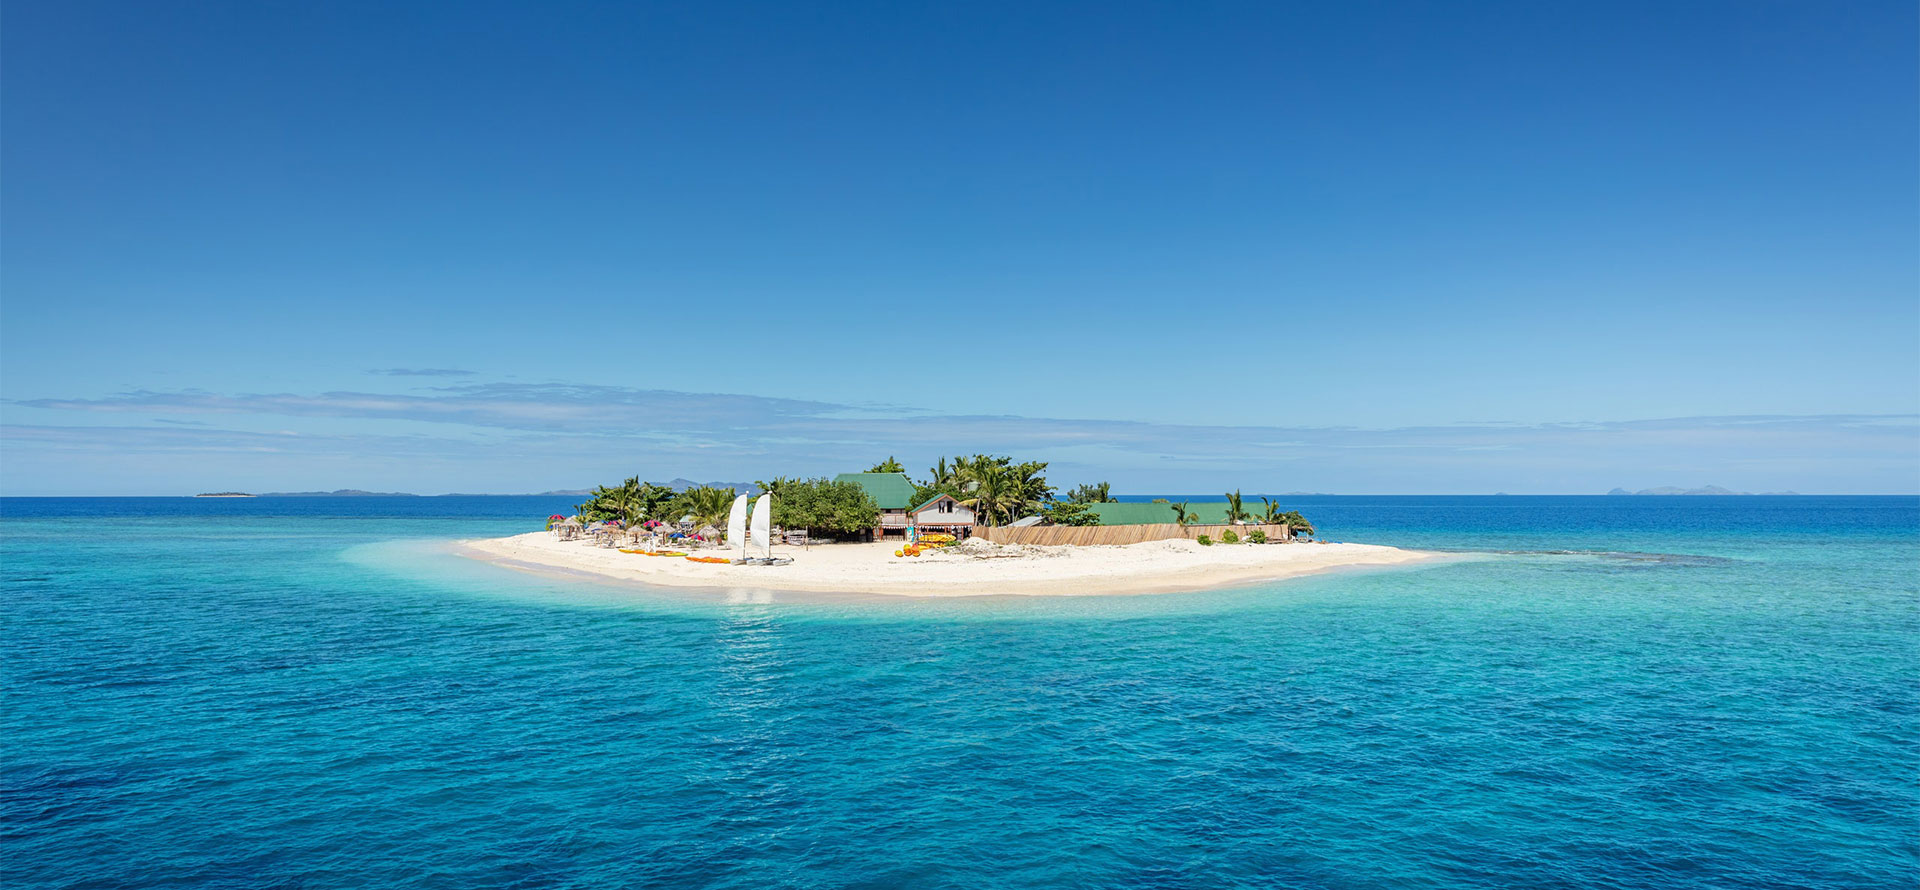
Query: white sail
x,y
763,526
737,526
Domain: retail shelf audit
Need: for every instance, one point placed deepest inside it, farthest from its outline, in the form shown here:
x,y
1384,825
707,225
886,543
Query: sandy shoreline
x,y
1154,567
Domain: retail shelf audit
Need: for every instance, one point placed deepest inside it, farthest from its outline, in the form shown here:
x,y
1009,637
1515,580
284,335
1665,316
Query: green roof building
x,y
892,491
1134,513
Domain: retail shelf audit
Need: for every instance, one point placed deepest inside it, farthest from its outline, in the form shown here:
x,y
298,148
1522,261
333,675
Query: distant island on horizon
x,y
1704,490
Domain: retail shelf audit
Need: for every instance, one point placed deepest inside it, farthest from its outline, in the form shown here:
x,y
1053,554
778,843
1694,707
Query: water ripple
x,y
257,711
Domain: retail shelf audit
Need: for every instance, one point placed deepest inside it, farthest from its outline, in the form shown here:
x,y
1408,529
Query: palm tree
x,y
990,484
888,466
656,501
943,475
1272,514
776,486
709,505
1181,515
1027,489
626,501
1235,510
602,503
967,470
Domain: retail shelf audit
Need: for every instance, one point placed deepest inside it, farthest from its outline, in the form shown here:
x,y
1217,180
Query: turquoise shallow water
x,y
1613,692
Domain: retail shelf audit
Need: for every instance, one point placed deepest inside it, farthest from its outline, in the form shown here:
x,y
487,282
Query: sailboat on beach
x,y
737,529
760,535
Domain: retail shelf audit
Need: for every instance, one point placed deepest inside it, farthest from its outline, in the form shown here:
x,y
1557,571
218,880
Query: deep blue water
x,y
1612,692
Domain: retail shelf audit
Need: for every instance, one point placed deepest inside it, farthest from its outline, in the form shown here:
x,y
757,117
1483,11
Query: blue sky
x,y
1406,248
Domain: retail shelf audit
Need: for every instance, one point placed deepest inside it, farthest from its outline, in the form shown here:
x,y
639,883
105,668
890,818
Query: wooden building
x,y
943,514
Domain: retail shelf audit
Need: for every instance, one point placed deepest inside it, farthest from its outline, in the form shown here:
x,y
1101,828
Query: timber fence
x,y
1091,535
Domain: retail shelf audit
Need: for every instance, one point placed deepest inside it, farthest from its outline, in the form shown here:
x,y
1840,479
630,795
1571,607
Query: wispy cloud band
x,y
421,372
718,433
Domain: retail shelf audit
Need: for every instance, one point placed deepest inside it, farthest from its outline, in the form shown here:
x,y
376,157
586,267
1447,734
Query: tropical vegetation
x,y
822,506
708,505
1092,493
997,489
631,502
1236,509
1069,513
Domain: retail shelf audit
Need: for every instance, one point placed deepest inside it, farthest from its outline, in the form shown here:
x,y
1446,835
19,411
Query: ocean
x,y
1605,692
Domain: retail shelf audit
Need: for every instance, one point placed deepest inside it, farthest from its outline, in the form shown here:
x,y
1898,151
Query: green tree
x,y
943,476
824,506
1027,489
626,501
1069,513
1181,515
966,469
1297,523
631,501
998,489
1236,511
847,508
989,486
1271,515
601,504
657,502
888,466
710,505
1092,493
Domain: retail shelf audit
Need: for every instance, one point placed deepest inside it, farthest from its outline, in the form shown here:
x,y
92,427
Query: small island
x,y
980,525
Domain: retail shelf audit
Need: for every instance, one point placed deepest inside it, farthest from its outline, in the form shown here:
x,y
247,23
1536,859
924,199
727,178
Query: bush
x,y
1205,541
1229,537
1257,536
822,506
1069,513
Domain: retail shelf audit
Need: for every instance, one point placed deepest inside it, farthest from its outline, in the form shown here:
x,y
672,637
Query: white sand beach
x,y
976,569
